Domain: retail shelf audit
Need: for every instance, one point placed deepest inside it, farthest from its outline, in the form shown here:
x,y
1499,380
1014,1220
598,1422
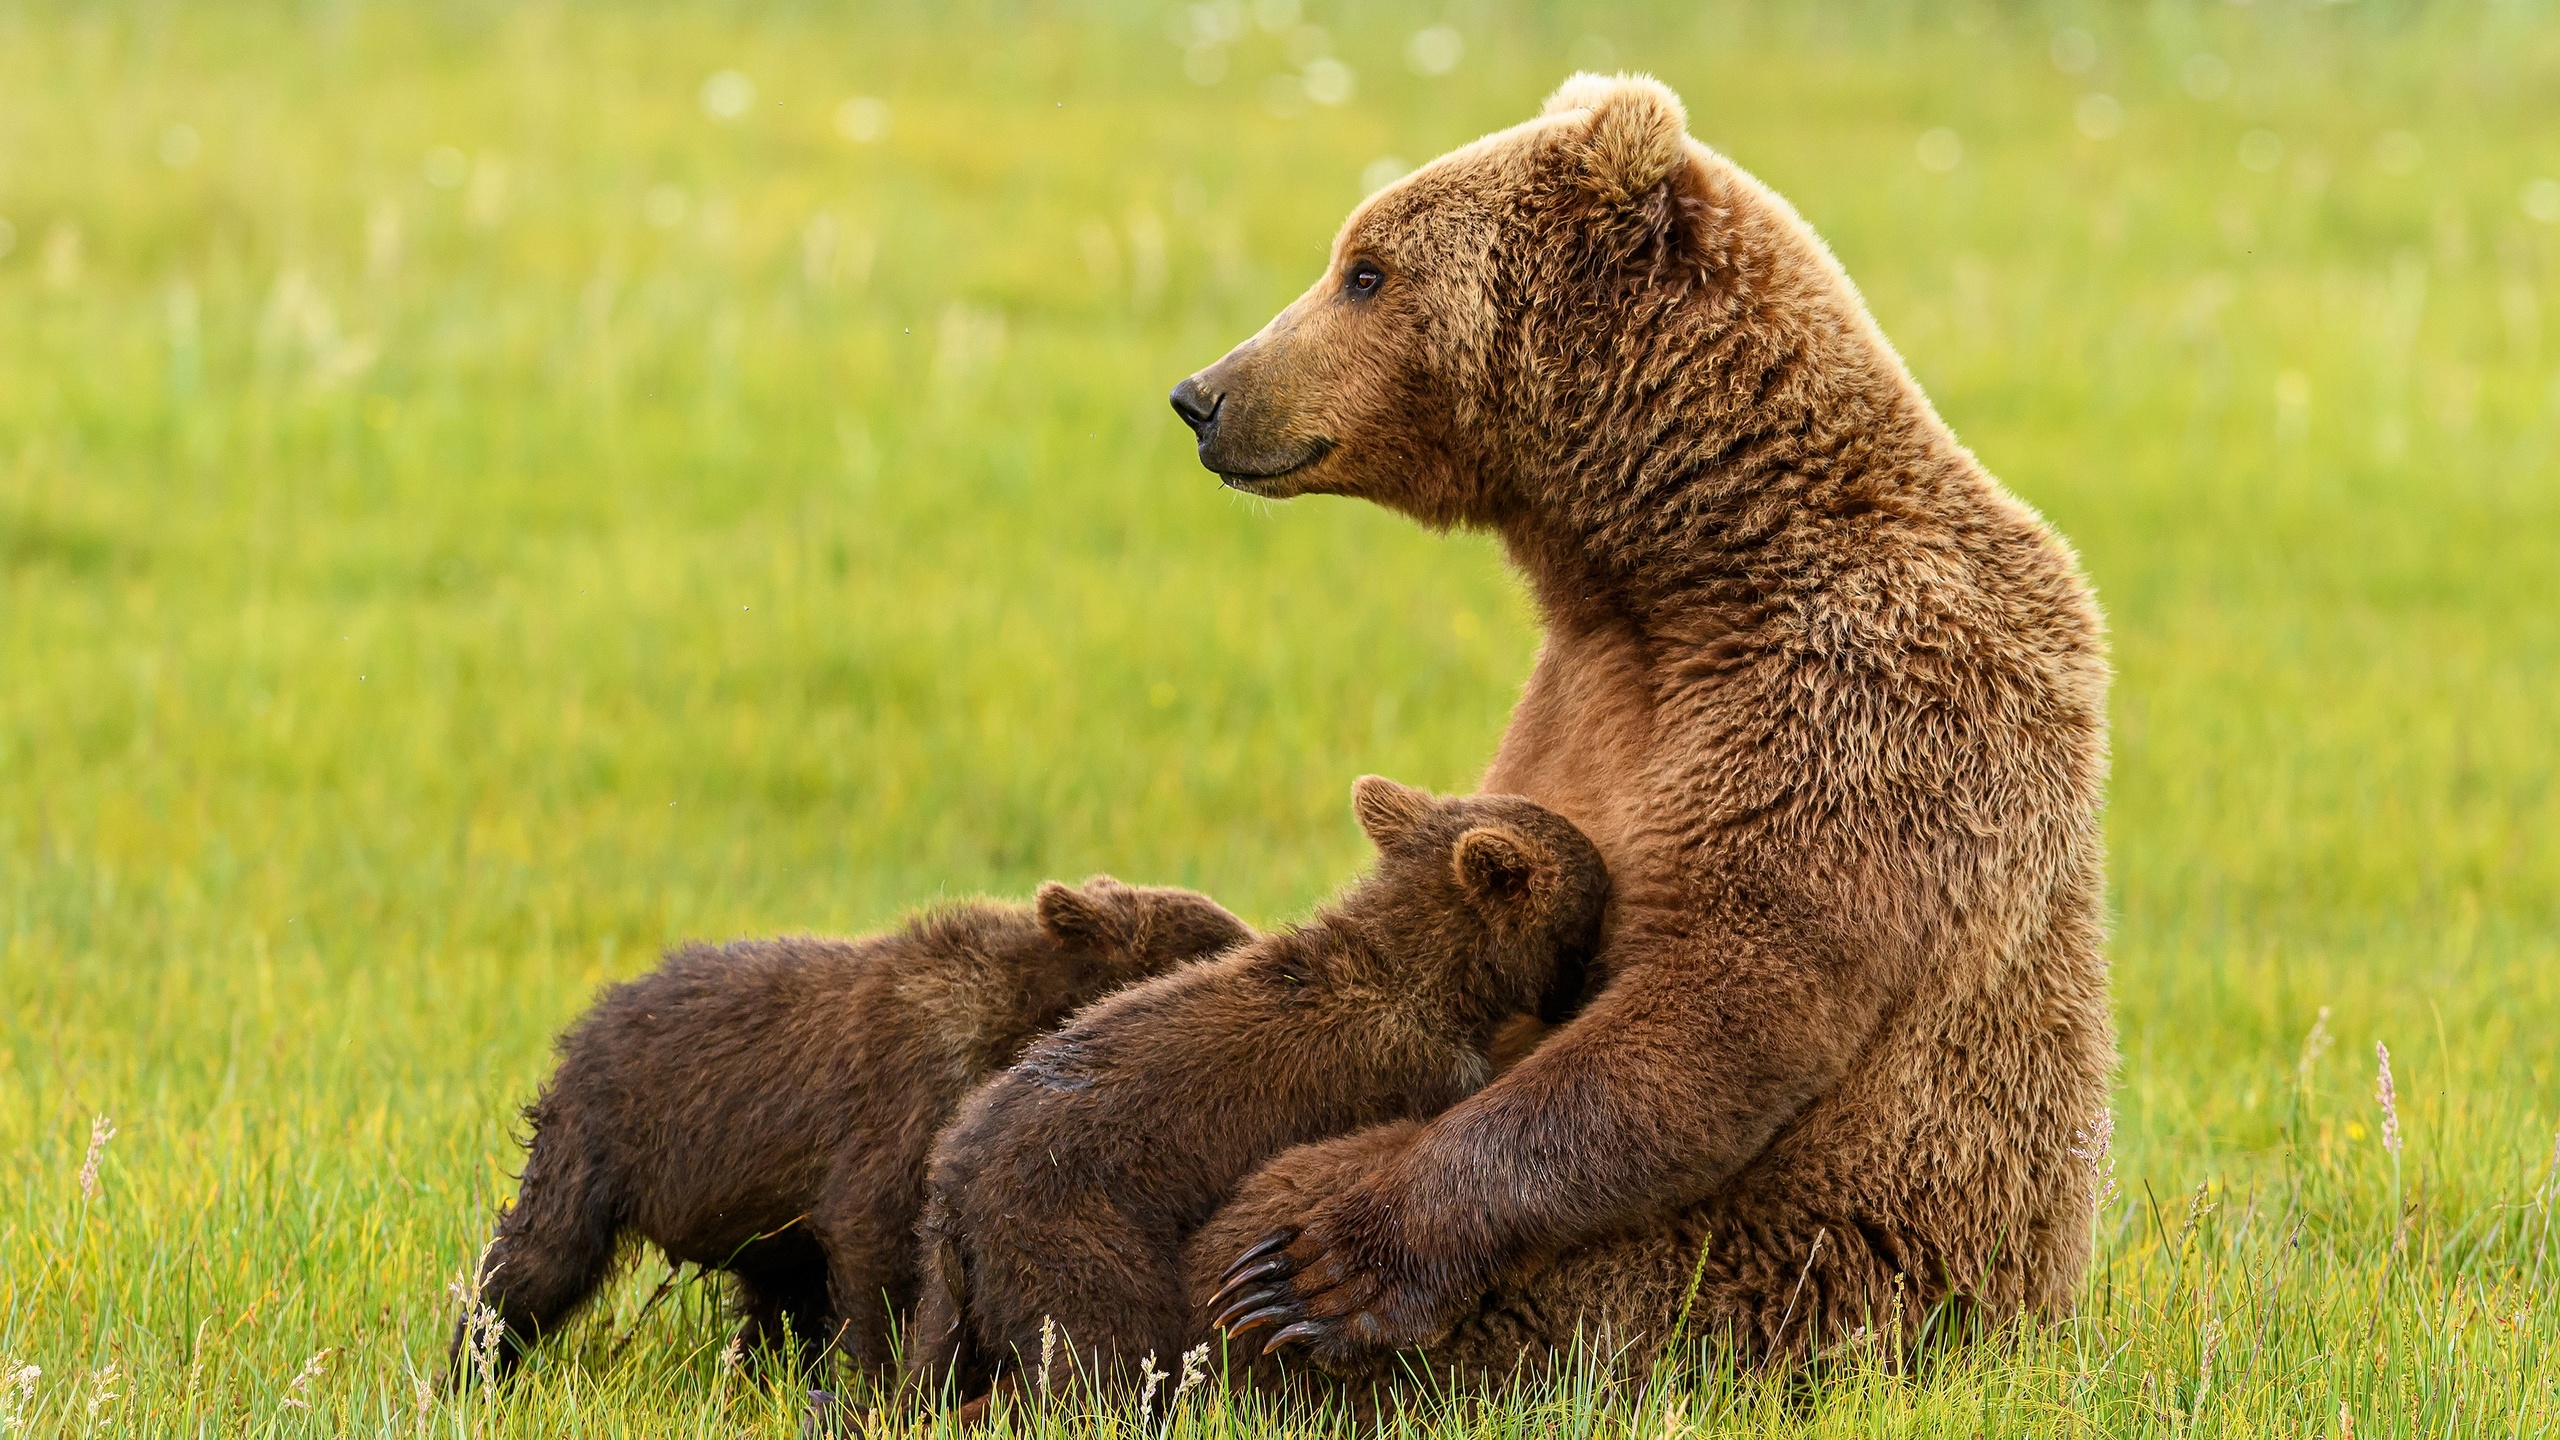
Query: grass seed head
x,y
101,1130
2388,1098
482,1328
1149,1377
15,1392
1195,1364
2199,1205
297,1393
2094,1147
2314,1045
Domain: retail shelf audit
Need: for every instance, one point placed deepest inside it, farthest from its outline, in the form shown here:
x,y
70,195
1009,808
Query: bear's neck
x,y
1704,468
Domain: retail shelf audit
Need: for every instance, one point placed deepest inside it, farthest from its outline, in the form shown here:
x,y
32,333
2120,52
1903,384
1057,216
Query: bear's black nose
x,y
1197,407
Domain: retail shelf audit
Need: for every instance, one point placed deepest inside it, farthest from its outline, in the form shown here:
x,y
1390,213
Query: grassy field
x,y
487,491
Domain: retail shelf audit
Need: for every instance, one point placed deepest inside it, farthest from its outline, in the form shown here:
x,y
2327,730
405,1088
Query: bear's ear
x,y
1100,915
1387,810
1636,137
1503,871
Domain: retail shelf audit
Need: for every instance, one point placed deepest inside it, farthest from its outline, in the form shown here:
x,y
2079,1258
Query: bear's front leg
x,y
1678,1074
1342,1287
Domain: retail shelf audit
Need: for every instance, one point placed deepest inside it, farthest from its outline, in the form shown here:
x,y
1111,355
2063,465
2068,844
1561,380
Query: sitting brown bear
x,y
1065,1190
765,1107
1831,702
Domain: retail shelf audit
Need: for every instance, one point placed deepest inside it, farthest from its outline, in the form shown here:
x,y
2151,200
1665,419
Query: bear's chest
x,y
1582,740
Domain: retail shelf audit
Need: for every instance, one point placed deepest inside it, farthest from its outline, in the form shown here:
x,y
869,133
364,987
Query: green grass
x,y
421,602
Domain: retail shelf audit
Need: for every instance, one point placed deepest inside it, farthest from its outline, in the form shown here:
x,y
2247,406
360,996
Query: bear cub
x,y
1066,1188
765,1108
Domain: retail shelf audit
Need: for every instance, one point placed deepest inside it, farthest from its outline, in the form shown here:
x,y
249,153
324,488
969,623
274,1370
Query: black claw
x,y
1263,1316
1269,1295
1303,1330
1276,1240
1275,1266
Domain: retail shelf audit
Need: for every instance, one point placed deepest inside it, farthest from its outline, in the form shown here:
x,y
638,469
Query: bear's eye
x,y
1365,278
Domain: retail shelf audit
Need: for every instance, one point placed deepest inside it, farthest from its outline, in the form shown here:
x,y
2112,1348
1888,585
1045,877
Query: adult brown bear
x,y
1831,702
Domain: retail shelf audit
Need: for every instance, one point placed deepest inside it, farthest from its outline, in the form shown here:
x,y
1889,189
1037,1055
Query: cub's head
x,y
1401,375
1128,932
1499,884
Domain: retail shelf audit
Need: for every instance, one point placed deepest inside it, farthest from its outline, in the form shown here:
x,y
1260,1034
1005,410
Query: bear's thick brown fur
x,y
765,1107
1830,701
1064,1191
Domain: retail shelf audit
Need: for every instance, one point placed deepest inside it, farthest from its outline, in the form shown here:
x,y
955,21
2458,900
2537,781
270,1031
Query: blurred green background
x,y
489,490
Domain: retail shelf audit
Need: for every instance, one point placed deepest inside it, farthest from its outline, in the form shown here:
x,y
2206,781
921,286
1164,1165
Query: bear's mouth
x,y
1264,481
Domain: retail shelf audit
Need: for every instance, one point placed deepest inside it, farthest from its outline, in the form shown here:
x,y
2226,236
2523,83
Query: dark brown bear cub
x,y
1066,1188
765,1107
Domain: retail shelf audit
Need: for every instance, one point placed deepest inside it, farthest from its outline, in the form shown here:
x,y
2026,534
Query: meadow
x,y
488,491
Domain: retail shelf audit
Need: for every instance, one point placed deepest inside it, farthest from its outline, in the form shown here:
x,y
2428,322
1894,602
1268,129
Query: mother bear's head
x,y
1515,311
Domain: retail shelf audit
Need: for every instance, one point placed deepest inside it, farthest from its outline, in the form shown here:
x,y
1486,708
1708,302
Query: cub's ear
x,y
1186,925
1099,915
1503,871
1636,137
1387,810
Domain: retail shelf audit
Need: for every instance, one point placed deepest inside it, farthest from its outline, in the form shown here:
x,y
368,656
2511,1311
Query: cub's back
x,y
1166,1093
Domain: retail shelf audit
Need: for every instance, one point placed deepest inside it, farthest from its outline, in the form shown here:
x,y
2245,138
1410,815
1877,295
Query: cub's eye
x,y
1365,278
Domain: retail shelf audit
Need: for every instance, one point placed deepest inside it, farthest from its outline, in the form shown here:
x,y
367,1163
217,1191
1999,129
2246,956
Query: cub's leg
x,y
870,1287
942,1360
781,1301
553,1247
1113,1290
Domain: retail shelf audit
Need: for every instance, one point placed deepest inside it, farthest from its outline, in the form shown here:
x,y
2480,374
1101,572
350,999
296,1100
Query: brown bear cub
x,y
765,1107
1066,1189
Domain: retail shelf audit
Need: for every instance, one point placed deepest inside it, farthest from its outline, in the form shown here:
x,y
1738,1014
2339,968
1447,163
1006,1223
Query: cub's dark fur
x,y
766,1107
1066,1188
